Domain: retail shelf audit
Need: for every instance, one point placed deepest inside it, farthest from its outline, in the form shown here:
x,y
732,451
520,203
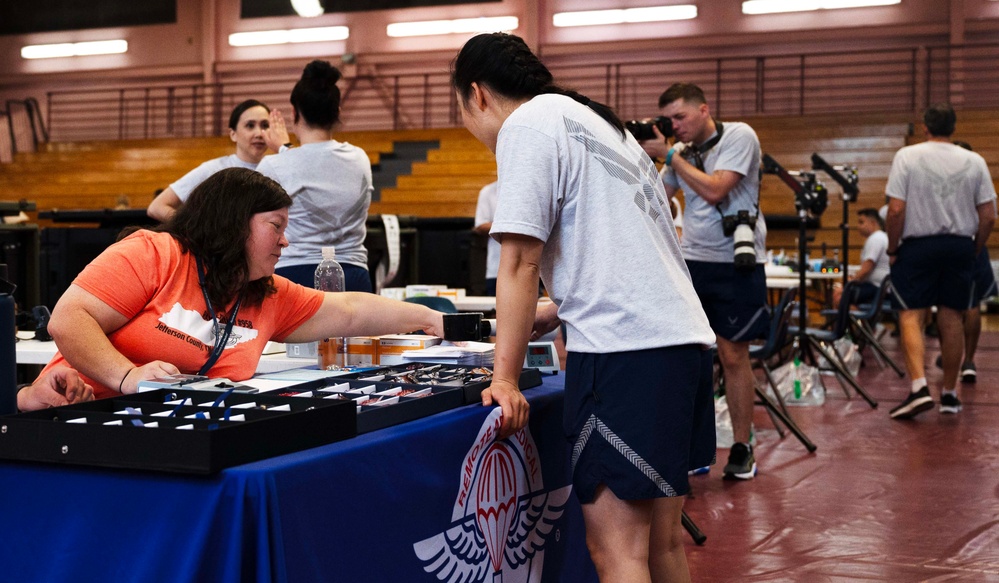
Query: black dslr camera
x,y
642,130
740,226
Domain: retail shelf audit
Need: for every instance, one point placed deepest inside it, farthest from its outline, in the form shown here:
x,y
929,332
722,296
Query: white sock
x,y
951,392
918,384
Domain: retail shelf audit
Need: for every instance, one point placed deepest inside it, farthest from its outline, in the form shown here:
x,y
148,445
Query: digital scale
x,y
542,356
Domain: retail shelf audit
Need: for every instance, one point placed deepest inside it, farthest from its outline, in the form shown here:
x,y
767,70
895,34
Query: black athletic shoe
x,y
940,361
968,373
913,405
950,403
741,463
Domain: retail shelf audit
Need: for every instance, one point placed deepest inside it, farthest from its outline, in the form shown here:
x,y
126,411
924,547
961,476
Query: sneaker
x,y
741,463
699,471
949,403
968,373
913,405
940,361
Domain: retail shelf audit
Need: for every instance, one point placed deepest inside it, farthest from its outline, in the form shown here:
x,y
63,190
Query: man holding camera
x,y
724,242
941,208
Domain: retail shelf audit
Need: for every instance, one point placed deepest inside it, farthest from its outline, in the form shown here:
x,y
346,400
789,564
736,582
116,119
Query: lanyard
x,y
220,339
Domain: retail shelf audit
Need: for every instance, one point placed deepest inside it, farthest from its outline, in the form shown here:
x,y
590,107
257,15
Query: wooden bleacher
x,y
93,175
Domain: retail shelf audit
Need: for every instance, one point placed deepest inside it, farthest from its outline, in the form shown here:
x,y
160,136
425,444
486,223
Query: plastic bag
x,y
723,426
812,392
850,354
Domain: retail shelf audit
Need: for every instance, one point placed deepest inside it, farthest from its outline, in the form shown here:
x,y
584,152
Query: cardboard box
x,y
392,347
362,350
453,294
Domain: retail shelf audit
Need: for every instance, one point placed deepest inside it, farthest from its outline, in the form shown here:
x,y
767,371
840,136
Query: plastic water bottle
x,y
797,376
329,278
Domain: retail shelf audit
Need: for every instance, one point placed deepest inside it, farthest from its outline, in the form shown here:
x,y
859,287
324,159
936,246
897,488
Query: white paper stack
x,y
463,353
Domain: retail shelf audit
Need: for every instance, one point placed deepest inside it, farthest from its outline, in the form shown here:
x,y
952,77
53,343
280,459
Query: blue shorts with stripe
x,y
933,271
639,421
735,301
984,280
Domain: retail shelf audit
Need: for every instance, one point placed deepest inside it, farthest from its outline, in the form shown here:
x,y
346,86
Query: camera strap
x,y
220,339
698,160
698,152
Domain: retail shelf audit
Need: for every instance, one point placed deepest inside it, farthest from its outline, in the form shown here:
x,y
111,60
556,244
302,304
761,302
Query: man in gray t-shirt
x,y
941,207
718,168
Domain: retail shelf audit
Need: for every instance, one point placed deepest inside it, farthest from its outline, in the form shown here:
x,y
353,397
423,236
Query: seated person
x,y
247,124
198,295
874,264
55,387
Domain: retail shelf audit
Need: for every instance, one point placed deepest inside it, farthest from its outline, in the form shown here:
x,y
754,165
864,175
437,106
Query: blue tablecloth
x,y
432,500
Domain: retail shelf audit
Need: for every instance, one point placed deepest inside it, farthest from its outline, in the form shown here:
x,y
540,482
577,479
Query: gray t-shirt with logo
x,y
611,257
942,185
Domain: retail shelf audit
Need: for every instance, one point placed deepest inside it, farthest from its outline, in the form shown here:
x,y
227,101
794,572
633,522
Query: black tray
x,y
209,446
373,417
471,391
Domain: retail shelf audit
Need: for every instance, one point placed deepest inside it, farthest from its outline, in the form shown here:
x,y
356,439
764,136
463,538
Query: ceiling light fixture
x,y
294,35
626,15
777,6
459,26
81,49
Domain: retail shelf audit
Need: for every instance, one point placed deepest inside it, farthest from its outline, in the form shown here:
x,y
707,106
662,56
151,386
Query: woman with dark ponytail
x,y
329,182
581,205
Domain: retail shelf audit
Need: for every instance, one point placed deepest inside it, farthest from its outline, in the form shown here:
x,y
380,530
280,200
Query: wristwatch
x,y
285,147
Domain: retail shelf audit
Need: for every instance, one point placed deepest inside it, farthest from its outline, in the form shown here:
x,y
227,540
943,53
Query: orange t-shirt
x,y
150,280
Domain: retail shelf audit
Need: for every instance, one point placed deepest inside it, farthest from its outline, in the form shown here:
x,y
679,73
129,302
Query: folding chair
x,y
864,320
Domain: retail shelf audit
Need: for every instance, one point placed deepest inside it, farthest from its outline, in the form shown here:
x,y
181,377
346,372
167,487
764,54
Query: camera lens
x,y
745,248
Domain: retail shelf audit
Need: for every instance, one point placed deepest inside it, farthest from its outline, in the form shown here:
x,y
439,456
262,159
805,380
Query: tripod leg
x,y
816,345
773,418
695,533
777,396
774,410
843,373
880,350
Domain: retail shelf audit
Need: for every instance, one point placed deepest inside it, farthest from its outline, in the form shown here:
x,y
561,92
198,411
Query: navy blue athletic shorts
x,y
734,301
933,271
984,281
639,421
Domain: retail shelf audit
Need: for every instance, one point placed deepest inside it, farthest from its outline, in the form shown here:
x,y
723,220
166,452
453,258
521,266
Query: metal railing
x,y
22,126
891,80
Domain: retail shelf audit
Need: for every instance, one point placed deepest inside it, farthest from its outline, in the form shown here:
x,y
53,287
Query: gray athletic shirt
x,y
941,184
183,187
330,184
703,237
611,258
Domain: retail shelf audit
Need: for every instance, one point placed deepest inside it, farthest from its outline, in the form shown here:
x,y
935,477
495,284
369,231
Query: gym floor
x,y
879,500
